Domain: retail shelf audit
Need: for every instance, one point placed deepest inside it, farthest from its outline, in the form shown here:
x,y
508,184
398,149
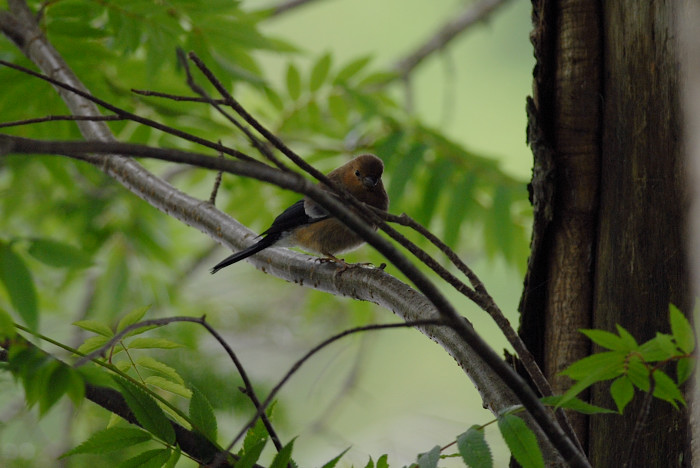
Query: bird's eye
x,y
357,173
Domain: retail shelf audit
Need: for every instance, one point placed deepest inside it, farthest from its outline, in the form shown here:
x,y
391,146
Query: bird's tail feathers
x,y
245,253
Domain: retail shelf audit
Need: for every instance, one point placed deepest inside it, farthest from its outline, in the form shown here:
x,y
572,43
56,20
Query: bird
x,y
309,226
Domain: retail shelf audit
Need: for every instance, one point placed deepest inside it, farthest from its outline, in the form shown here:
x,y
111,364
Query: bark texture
x,y
609,242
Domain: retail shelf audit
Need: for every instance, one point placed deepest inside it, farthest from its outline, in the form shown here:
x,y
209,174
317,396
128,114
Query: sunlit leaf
x,y
681,330
132,317
149,343
606,339
95,327
684,369
168,385
666,389
622,392
575,404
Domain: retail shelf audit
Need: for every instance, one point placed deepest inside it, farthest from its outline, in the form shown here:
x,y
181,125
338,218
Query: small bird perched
x,y
308,225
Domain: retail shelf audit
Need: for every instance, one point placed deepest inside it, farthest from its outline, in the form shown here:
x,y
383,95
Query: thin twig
x,y
287,5
175,97
257,144
217,182
295,367
249,390
53,118
130,116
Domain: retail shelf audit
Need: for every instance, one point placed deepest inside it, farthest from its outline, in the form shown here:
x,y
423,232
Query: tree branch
x,y
472,14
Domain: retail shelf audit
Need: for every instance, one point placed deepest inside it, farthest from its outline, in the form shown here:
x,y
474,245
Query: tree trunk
x,y
609,241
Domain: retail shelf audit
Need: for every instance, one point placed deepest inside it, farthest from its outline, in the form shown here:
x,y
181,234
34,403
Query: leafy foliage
x,y
629,364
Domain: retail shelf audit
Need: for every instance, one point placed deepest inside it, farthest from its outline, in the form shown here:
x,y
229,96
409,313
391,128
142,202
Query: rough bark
x,y
609,241
641,249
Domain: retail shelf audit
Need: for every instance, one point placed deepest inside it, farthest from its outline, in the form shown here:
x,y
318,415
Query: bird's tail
x,y
263,243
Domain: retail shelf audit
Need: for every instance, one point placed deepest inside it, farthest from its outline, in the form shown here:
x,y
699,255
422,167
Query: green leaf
x,y
149,459
622,392
459,205
351,69
638,373
338,108
606,339
95,327
666,389
667,345
283,457
521,441
575,404
157,366
429,459
19,284
605,365
7,325
56,386
76,386
58,254
132,317
110,439
149,343
403,172
174,458
370,463
334,461
626,337
254,435
681,330
293,82
383,461
653,350
147,412
439,180
202,415
684,369
168,385
273,98
92,343
319,72
474,449
251,455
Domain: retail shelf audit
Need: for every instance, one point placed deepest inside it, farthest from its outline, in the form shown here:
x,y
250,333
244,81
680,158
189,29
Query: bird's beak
x,y
370,182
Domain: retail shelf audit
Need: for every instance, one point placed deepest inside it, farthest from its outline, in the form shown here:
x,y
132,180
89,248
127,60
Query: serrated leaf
x,y
293,82
334,461
168,385
202,415
283,457
254,435
250,456
151,343
653,350
146,410
109,440
667,345
95,327
638,373
92,343
575,404
149,459
429,459
58,254
521,441
351,69
626,337
132,317
605,365
7,325
18,282
473,448
56,386
666,389
606,339
622,392
157,366
681,330
684,369
319,72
